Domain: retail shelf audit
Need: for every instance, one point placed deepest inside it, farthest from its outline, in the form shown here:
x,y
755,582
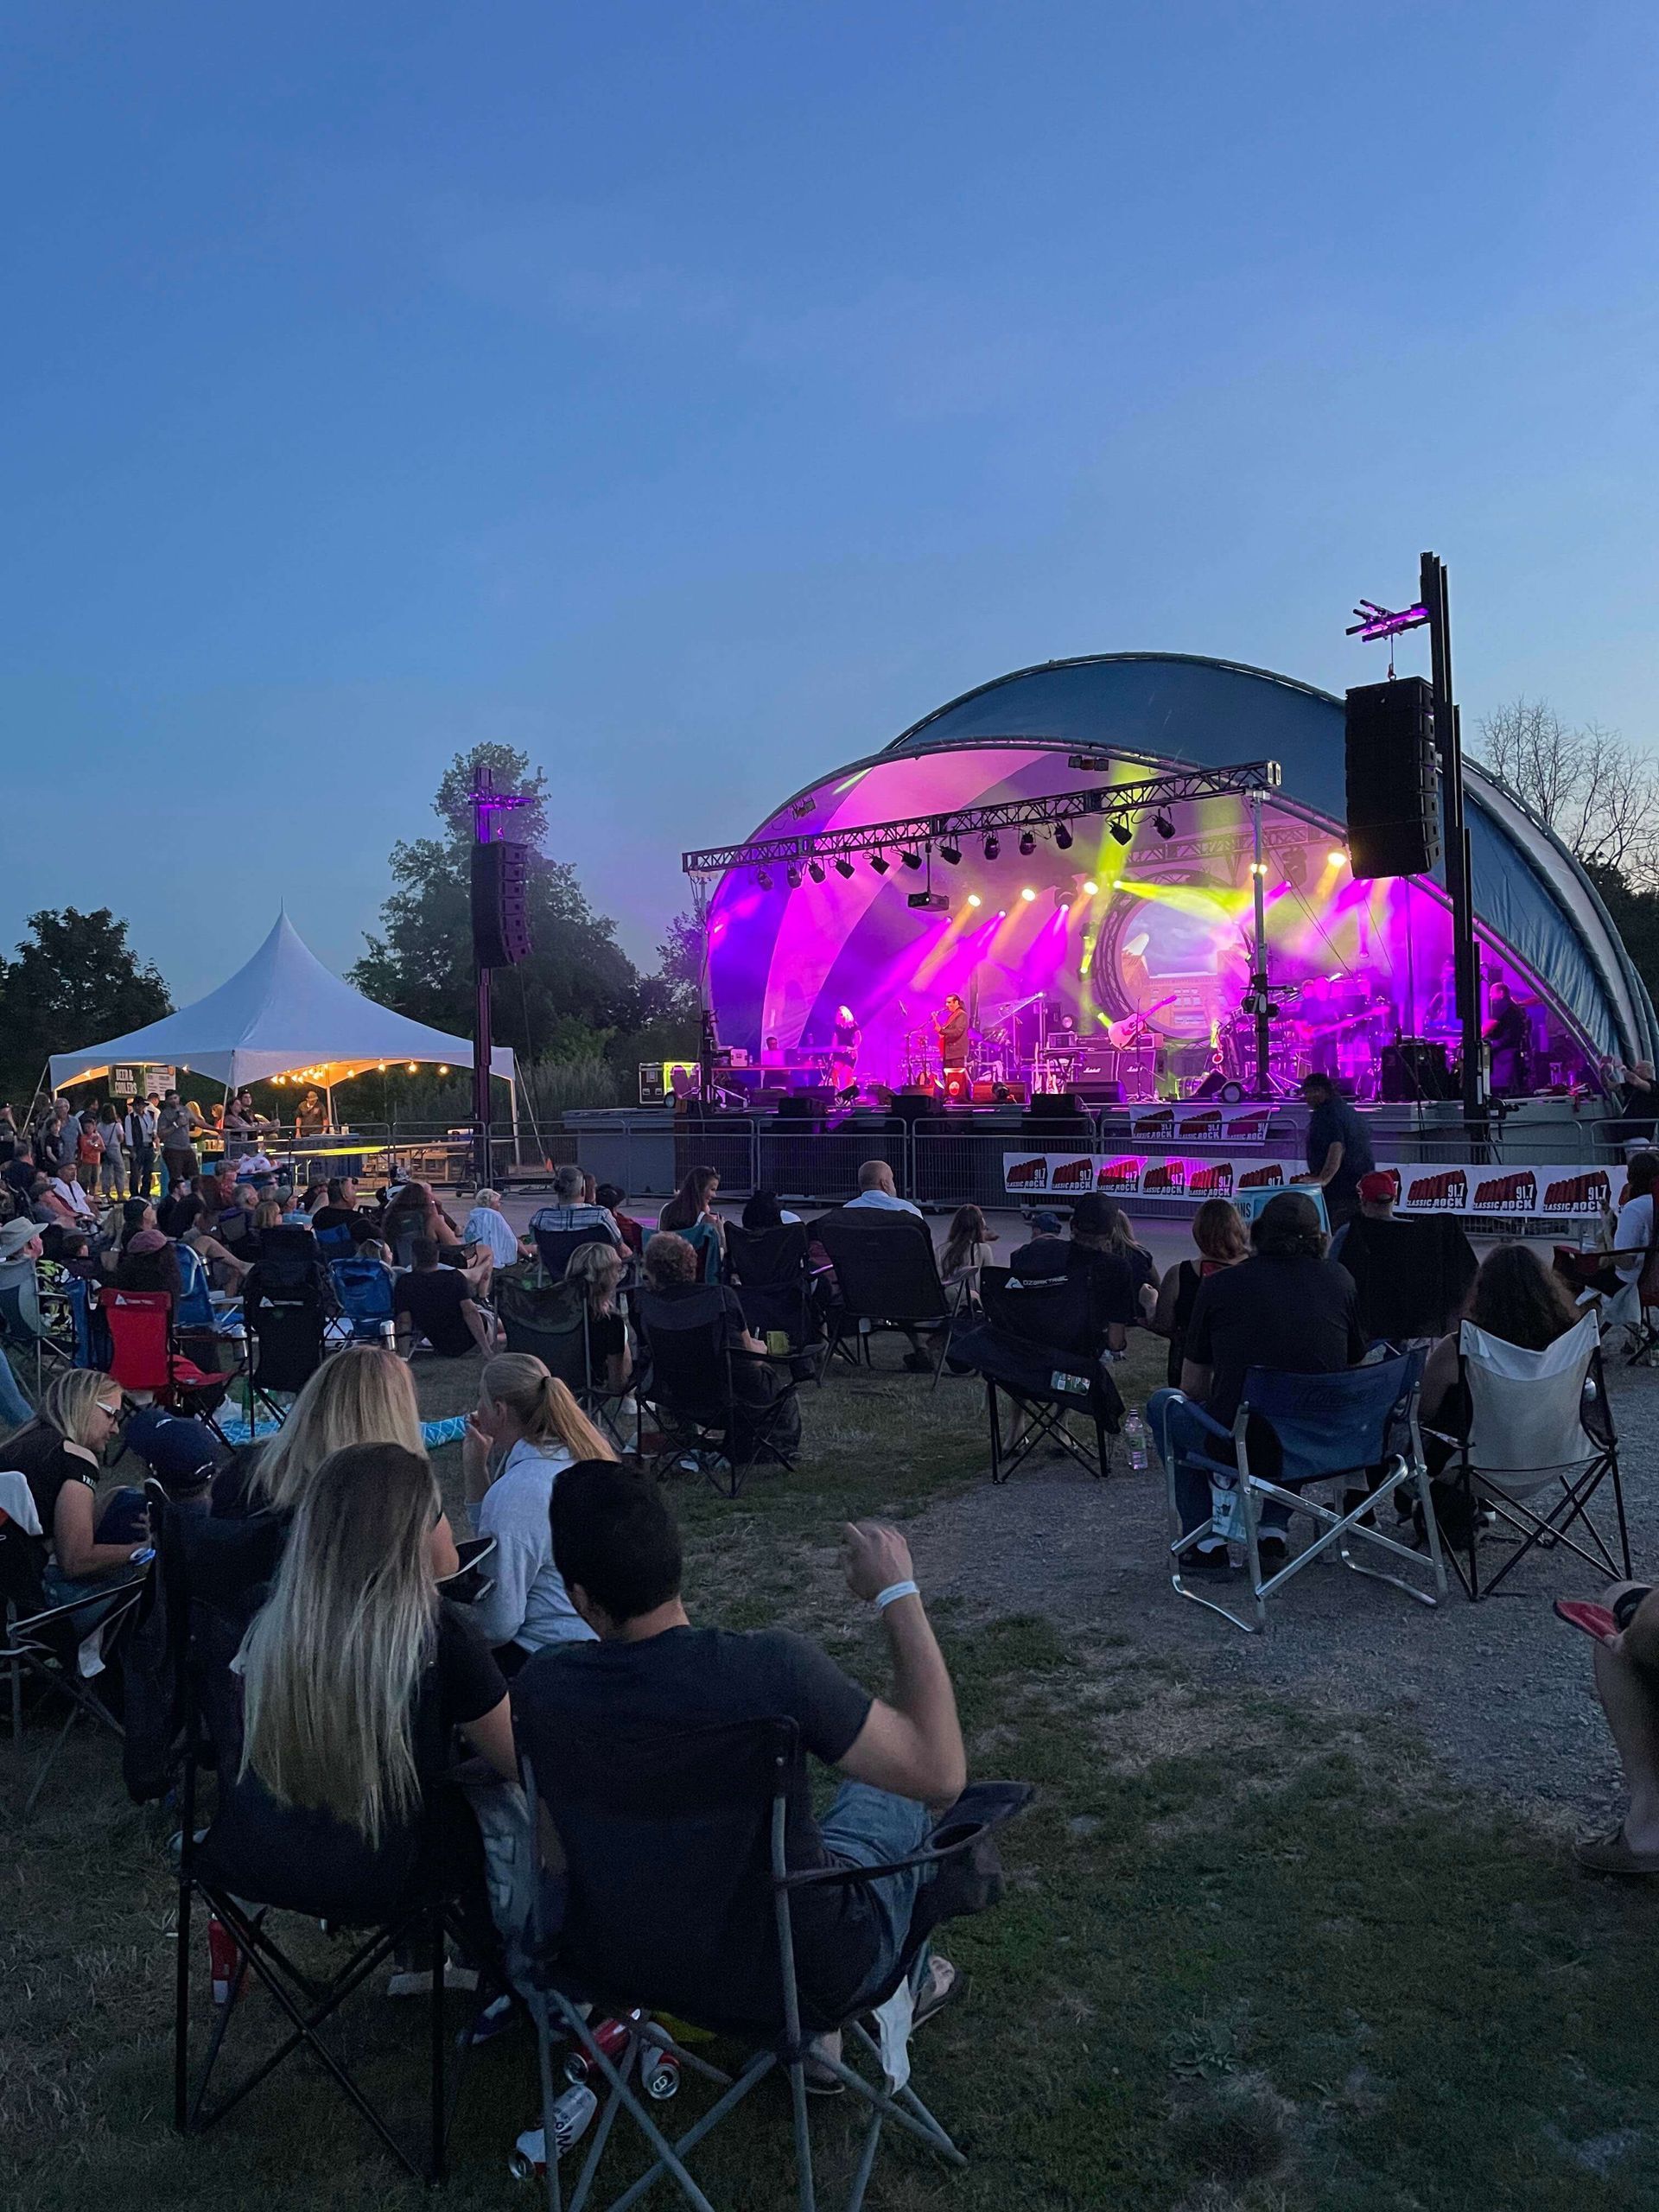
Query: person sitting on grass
x,y
527,1430
360,1395
1289,1308
1627,1682
355,1675
597,1270
436,1303
491,1240
1218,1231
616,1548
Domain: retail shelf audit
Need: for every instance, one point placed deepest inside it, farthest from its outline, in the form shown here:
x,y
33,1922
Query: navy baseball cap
x,y
1047,1224
173,1449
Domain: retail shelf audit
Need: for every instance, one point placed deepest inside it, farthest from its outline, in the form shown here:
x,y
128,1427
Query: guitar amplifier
x,y
1415,1068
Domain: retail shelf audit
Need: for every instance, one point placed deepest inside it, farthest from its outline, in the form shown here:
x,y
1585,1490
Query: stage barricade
x,y
822,1166
954,1167
726,1145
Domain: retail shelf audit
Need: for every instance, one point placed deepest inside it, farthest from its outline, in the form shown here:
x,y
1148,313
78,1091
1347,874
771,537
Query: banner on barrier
x,y
1563,1191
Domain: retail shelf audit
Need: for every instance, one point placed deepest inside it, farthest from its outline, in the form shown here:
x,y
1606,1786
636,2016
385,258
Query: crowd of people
x,y
357,1671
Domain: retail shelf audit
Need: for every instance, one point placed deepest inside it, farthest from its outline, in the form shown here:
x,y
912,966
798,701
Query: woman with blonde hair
x,y
596,1269
360,1395
526,1429
355,1674
60,1454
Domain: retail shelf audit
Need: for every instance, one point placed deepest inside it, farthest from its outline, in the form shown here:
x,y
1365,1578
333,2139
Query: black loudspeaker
x,y
500,910
1394,824
1415,1068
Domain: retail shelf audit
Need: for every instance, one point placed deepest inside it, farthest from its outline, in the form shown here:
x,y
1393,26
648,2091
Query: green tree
x,y
578,989
1636,917
679,969
75,981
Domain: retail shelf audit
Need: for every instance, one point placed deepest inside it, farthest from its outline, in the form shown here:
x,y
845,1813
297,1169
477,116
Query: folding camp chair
x,y
1040,1346
1304,1428
334,1243
285,1308
555,1246
772,1272
143,1356
547,1318
887,1277
363,1289
24,1329
1411,1277
674,1867
1541,1442
91,1335
62,1648
692,1383
219,1569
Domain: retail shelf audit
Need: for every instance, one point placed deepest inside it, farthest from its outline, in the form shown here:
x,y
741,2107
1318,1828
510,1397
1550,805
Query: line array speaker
x,y
500,905
1394,824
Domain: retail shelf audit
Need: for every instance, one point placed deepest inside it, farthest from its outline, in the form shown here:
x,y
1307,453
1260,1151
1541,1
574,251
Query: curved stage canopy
x,y
281,1013
1161,925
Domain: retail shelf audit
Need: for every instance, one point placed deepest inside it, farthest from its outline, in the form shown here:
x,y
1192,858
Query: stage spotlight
x,y
1027,844
843,866
814,869
1338,860
910,860
879,863
763,879
1063,837
1002,913
793,879
1164,826
951,854
1123,832
1091,889
974,899
1027,894
992,847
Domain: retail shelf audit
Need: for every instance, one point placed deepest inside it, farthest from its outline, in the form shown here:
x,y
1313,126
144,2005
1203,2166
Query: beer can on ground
x,y
611,2036
224,1957
660,2072
572,2115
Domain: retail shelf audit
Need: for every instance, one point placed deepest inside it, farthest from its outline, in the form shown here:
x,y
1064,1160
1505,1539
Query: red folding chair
x,y
142,1355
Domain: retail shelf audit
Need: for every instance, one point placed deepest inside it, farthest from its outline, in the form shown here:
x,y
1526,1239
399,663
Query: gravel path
x,y
1502,1689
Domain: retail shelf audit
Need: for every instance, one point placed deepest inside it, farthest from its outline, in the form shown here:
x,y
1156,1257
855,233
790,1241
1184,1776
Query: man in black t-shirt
x,y
1289,1308
342,1212
436,1303
618,1552
1338,1148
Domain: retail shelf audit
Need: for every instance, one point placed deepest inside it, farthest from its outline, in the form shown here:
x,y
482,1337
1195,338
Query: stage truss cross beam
x,y
1116,801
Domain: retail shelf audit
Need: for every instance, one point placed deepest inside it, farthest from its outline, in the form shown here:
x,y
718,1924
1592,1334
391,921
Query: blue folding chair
x,y
1325,1429
364,1288
334,1243
195,1306
91,1332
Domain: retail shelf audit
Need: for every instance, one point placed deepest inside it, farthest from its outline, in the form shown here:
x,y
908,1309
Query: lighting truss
x,y
1172,790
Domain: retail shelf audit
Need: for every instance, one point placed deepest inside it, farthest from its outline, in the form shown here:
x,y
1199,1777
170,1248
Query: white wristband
x,y
894,1591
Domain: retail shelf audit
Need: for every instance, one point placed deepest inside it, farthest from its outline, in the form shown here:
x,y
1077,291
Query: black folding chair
x,y
692,1382
41,1642
1411,1276
676,1896
887,1277
555,1246
548,1320
1040,1346
770,1269
219,1571
287,1302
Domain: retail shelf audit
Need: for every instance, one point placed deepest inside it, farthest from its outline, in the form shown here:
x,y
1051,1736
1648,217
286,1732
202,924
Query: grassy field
x,y
1243,1966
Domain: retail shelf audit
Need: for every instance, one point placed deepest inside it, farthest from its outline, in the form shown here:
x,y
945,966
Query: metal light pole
x,y
487,805
1454,835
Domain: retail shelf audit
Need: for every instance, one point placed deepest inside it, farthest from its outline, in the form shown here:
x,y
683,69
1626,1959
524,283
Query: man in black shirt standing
x,y
1289,1308
618,1552
1338,1148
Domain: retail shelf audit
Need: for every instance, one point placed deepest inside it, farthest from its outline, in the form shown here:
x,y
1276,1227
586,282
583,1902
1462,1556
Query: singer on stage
x,y
844,1038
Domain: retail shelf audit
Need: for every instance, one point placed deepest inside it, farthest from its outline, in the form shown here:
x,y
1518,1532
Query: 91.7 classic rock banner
x,y
1564,1191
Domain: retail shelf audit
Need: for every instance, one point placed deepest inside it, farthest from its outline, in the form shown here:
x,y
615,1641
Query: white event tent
x,y
281,1014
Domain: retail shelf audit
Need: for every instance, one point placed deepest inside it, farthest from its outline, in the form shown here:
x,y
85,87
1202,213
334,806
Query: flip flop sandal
x,y
1612,1854
939,1992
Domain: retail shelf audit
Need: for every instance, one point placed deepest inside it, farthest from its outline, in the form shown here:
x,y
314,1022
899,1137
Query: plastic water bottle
x,y
1134,1441
571,2117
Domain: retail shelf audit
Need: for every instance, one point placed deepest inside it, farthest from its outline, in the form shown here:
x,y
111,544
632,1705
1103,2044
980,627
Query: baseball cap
x,y
1047,1224
1377,1185
173,1449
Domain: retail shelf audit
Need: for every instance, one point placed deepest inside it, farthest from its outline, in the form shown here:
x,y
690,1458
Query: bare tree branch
x,y
1599,794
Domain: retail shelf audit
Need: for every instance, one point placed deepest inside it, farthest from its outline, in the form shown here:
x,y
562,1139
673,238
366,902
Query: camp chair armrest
x,y
990,1805
1204,1420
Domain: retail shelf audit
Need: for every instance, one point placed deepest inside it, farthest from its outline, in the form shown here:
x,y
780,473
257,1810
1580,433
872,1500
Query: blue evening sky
x,y
694,395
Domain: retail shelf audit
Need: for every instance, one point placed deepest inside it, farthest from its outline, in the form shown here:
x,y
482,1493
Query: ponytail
x,y
541,1405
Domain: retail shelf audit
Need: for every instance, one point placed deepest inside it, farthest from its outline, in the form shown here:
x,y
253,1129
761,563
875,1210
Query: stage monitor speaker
x,y
1393,826
1415,1068
500,904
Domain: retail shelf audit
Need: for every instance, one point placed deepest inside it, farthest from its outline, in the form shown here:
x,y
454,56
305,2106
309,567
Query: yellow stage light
x,y
1091,889
973,898
1027,894
1337,860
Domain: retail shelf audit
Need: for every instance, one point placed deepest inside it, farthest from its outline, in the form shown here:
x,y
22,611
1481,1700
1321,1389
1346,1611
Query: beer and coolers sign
x,y
1565,1191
